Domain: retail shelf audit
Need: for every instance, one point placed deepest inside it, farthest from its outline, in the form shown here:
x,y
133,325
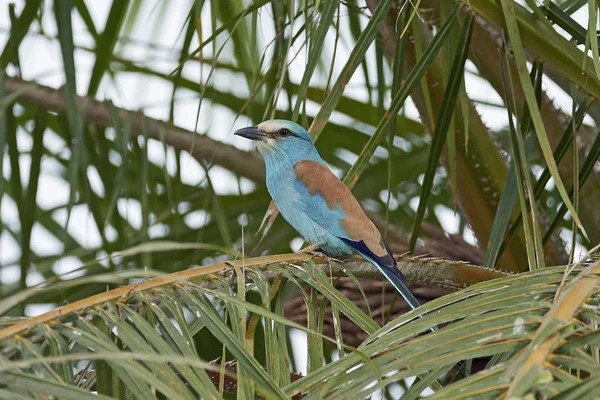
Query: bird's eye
x,y
285,132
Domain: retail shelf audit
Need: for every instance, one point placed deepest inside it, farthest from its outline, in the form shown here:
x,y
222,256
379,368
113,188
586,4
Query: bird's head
x,y
278,137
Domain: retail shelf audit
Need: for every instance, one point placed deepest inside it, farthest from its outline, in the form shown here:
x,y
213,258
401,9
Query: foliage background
x,y
119,165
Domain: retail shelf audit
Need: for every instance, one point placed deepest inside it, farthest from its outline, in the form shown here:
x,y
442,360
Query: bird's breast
x,y
280,185
292,206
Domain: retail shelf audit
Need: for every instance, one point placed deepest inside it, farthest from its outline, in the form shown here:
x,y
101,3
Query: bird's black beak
x,y
251,133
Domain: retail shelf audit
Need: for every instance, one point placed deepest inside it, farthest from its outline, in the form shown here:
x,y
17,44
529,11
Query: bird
x,y
316,203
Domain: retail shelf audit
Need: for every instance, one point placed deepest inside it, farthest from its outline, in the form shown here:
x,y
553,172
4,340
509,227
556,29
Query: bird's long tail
x,y
397,280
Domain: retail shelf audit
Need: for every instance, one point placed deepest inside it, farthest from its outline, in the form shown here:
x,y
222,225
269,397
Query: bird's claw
x,y
312,249
315,252
318,254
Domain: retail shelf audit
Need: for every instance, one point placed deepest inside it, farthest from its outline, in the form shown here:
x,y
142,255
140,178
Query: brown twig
x,y
445,274
201,147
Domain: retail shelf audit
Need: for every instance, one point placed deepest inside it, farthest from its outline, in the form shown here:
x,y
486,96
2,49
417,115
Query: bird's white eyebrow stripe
x,y
270,126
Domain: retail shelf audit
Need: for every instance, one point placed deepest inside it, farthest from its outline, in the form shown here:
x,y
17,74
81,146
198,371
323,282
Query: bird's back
x,y
332,196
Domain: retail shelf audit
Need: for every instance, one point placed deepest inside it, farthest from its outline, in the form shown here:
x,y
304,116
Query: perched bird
x,y
316,203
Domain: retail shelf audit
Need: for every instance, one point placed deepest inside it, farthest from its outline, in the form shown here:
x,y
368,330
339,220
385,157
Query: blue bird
x,y
316,203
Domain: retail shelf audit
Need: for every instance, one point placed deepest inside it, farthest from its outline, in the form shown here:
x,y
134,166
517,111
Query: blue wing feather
x,y
361,247
390,271
316,208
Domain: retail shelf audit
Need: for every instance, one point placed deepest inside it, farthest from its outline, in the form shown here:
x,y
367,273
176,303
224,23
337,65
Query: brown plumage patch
x,y
319,179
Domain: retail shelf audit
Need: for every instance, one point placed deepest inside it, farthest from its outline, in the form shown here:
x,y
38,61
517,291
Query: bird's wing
x,y
330,203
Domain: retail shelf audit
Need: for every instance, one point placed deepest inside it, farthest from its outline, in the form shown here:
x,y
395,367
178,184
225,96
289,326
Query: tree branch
x,y
200,147
435,272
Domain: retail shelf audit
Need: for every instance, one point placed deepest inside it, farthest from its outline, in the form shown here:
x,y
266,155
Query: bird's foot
x,y
313,249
